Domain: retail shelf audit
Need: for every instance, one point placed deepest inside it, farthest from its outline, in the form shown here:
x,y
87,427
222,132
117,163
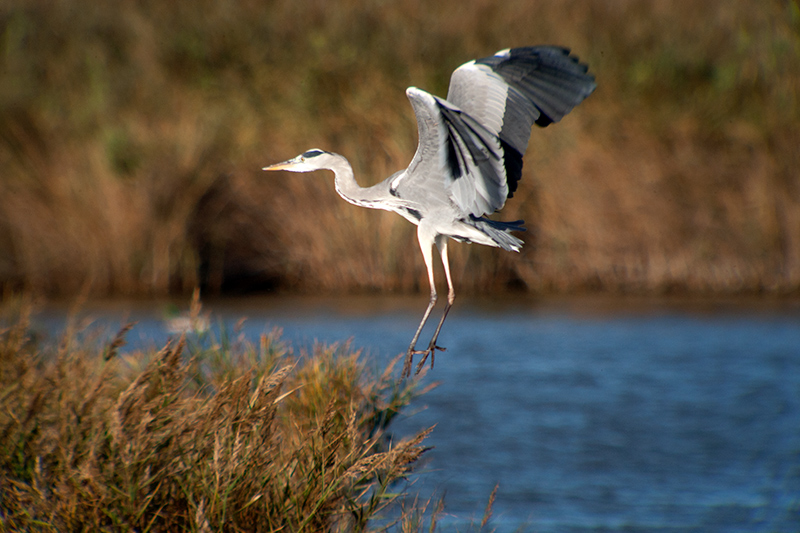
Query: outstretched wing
x,y
516,88
477,137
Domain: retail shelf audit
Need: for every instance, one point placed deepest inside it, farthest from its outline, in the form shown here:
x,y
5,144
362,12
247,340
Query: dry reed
x,y
204,435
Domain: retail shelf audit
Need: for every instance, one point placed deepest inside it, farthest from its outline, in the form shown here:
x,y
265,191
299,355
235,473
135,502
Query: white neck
x,y
347,186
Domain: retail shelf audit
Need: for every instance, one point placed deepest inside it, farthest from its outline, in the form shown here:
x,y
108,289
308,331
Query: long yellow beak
x,y
286,165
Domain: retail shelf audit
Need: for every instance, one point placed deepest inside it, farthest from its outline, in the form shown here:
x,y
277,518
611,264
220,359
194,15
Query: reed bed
x,y
202,435
131,139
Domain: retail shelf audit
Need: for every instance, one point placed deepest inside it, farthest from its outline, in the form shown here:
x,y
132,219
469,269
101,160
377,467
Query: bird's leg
x,y
441,244
411,348
426,240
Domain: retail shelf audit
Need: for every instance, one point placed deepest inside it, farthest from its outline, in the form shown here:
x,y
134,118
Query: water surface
x,y
591,414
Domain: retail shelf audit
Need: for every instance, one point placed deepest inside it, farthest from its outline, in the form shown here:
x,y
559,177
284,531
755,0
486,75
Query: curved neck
x,y
347,186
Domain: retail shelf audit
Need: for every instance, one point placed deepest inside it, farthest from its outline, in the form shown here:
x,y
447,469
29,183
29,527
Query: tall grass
x,y
131,138
202,435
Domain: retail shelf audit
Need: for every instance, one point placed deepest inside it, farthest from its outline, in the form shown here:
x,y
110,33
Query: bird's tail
x,y
499,232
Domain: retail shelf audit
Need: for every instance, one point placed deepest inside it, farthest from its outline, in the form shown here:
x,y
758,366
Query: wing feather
x,y
471,145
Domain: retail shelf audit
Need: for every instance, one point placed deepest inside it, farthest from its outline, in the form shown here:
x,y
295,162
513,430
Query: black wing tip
x,y
527,50
512,160
503,225
545,50
537,54
554,63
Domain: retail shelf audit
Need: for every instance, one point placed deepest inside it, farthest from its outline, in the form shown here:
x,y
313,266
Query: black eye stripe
x,y
313,153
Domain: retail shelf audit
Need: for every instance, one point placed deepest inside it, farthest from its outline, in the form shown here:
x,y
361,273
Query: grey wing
x,y
426,178
507,94
458,161
516,88
471,145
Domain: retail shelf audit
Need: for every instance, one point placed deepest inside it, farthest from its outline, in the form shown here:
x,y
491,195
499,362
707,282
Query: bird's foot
x,y
431,351
425,353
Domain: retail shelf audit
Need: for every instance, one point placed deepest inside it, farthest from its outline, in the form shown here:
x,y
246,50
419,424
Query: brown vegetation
x,y
201,436
131,138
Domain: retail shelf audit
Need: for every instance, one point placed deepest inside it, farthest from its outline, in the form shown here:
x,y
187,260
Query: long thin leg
x,y
426,240
441,244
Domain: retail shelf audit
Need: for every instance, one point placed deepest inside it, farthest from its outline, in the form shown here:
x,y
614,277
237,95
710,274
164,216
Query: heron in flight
x,y
469,157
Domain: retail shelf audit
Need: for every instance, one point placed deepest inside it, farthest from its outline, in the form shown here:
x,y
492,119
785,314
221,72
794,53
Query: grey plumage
x,y
469,157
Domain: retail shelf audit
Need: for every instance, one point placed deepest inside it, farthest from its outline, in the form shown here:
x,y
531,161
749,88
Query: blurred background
x,y
132,137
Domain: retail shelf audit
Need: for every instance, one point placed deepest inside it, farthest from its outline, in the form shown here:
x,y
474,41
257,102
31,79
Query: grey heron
x,y
469,157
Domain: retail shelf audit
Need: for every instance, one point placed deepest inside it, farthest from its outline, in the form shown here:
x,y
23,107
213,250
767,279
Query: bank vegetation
x,y
132,137
209,433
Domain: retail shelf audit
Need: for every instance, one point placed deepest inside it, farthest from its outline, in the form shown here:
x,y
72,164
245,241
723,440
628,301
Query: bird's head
x,y
308,161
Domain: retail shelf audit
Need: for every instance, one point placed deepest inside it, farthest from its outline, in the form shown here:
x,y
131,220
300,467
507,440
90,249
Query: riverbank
x,y
131,140
208,433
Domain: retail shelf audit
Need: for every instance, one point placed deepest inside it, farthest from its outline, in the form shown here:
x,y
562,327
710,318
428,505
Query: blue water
x,y
623,416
